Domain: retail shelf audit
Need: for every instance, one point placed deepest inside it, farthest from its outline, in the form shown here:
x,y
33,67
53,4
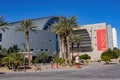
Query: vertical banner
x,y
101,39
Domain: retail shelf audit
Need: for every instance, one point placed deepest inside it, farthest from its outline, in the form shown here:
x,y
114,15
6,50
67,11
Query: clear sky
x,y
87,11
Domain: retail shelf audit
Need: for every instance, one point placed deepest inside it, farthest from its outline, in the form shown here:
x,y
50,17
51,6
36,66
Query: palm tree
x,y
58,29
66,25
75,39
69,23
2,23
13,60
26,26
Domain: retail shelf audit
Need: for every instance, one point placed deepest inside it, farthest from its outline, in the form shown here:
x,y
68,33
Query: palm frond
x,y
26,26
2,24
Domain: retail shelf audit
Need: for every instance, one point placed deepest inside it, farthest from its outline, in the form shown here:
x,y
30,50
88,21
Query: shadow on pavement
x,y
2,72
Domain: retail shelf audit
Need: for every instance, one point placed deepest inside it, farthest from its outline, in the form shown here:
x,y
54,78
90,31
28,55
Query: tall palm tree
x,y
26,26
3,23
58,29
69,24
66,24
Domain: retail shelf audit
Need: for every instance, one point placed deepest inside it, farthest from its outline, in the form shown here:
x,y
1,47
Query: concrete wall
x,y
92,28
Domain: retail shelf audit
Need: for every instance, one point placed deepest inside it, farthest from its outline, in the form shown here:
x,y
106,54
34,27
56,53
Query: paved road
x,y
94,71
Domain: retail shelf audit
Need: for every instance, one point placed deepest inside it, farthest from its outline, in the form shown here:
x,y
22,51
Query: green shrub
x,y
105,58
108,55
84,56
59,60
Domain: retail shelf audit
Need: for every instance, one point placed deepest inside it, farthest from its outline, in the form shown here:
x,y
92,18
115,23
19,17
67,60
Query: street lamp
x,y
24,55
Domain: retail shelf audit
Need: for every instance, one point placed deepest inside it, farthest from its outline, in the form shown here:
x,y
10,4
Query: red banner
x,y
101,40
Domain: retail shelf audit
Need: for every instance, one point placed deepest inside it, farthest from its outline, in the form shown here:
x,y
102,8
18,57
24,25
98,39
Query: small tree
x,y
59,60
3,51
13,49
84,56
108,55
117,51
42,57
106,59
13,60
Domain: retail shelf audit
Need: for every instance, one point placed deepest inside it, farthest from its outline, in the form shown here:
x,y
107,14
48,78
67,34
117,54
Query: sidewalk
x,y
46,68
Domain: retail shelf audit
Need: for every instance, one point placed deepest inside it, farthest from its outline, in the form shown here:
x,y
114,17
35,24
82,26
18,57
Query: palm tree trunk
x,y
68,49
72,50
65,48
28,46
78,45
60,43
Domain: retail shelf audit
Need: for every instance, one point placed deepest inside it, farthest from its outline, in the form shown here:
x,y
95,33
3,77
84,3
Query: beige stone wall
x,y
91,28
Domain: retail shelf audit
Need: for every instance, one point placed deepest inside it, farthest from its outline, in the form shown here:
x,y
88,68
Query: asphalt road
x,y
93,71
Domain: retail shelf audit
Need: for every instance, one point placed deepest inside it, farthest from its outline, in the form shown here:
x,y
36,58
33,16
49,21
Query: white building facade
x,y
100,37
114,36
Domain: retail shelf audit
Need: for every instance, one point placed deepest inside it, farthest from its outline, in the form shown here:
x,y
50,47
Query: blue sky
x,y
87,11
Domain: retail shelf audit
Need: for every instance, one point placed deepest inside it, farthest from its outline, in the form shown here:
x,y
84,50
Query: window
x,y
0,37
0,47
37,49
41,49
31,49
46,49
18,49
49,24
50,40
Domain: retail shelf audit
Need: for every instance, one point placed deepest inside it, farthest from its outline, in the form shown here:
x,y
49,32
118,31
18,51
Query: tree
x,y
3,51
108,55
106,59
13,49
26,26
2,23
42,57
75,39
59,30
117,50
84,56
13,60
59,60
66,25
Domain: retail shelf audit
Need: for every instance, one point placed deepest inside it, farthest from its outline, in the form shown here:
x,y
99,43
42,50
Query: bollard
x,y
78,65
52,65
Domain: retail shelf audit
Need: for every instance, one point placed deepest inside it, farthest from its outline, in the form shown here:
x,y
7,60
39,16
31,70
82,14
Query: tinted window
x,y
0,37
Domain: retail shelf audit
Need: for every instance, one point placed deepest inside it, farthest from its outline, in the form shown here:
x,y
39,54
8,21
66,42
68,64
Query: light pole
x,y
24,56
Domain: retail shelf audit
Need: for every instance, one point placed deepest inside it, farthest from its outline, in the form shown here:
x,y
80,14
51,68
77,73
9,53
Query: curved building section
x,y
42,41
85,44
49,24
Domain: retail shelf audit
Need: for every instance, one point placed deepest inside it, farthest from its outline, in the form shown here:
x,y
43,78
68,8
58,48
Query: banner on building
x,y
101,39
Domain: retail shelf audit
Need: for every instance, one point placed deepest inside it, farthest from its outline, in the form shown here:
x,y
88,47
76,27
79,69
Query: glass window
x,y
0,37
31,49
46,49
41,49
0,47
50,40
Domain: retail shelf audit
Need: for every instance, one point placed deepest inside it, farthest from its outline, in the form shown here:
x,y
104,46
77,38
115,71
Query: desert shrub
x,y
84,56
59,60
